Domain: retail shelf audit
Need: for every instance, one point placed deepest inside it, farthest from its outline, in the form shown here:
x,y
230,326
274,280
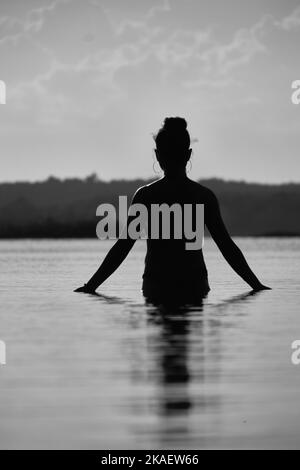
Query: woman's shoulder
x,y
205,193
142,193
157,188
149,188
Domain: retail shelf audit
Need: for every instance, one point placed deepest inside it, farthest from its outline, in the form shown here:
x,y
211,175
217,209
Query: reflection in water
x,y
187,346
184,360
185,353
171,348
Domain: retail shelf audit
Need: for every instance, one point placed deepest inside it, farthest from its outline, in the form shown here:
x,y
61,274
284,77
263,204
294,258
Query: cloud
x,y
122,25
69,93
83,60
291,21
13,29
36,17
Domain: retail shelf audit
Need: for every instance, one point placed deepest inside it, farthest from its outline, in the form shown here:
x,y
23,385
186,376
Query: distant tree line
x,y
67,208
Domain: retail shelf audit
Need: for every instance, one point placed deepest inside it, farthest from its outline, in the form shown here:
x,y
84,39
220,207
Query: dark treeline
x,y
67,208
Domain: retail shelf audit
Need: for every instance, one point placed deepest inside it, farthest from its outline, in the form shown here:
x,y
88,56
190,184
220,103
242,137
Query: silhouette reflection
x,y
184,355
187,345
172,350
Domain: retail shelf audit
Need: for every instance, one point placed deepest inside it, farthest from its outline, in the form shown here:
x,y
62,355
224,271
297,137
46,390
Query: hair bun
x,y
175,124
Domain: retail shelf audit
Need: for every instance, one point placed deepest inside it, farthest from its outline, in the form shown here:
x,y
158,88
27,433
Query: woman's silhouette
x,y
171,271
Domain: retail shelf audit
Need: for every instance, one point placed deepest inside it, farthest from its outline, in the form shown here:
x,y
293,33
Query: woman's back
x,y
169,264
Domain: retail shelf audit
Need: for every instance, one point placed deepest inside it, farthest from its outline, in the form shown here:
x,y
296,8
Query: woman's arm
x,y
228,248
111,262
114,257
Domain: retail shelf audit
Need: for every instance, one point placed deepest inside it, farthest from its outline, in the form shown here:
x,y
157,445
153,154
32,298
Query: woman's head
x,y
173,144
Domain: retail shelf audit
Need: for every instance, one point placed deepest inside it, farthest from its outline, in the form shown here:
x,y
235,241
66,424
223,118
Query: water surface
x,y
110,372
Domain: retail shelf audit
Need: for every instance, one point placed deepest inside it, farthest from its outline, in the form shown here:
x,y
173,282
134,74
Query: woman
x,y
172,271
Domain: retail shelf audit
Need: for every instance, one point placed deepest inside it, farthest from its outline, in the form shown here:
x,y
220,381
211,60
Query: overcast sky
x,y
88,82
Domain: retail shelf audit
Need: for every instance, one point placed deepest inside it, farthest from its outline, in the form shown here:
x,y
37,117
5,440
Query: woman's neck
x,y
175,173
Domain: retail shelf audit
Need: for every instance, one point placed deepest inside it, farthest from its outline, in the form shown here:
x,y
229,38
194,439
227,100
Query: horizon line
x,y
93,177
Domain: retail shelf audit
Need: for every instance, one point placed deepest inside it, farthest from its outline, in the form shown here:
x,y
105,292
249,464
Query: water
x,y
108,372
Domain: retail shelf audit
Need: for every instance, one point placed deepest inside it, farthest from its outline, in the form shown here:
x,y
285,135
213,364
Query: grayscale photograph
x,y
149,228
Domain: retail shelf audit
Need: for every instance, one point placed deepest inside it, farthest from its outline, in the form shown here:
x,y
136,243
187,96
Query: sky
x,y
88,83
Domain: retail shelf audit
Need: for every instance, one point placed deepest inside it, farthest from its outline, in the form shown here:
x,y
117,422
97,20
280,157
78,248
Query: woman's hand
x,y
85,289
261,287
